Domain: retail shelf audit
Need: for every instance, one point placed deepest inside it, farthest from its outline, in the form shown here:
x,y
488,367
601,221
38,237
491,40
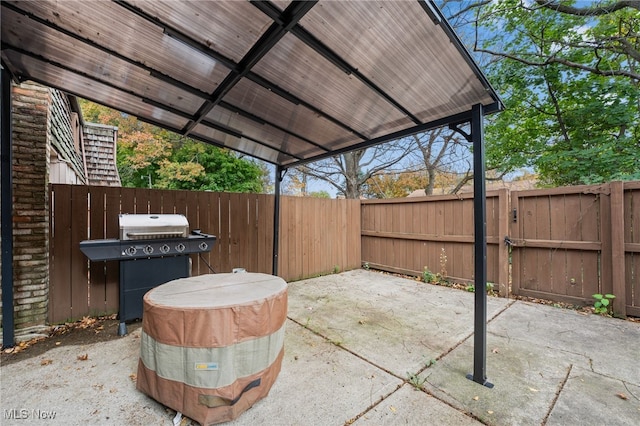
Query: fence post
x,y
503,248
617,249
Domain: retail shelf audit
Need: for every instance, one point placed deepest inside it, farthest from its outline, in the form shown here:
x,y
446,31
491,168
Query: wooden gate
x,y
569,243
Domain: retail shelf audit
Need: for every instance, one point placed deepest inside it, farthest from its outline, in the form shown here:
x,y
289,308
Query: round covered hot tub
x,y
212,345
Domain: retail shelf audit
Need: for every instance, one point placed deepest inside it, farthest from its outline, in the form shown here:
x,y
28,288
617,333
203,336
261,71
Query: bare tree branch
x,y
466,9
596,10
556,60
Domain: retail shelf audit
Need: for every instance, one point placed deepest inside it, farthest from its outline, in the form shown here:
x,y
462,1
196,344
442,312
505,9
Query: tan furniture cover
x,y
212,345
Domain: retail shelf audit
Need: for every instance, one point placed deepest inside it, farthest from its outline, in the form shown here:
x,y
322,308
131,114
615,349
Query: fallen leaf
x,y
475,398
622,396
83,357
46,361
58,343
133,377
86,322
392,408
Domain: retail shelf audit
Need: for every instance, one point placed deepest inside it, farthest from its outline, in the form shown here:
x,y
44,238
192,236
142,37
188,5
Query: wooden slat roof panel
x,y
317,81
396,61
230,28
268,106
291,81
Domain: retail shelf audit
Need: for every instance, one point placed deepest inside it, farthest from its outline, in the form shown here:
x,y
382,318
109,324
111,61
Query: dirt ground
x,y
86,331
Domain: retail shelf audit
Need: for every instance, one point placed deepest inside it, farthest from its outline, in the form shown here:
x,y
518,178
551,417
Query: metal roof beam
x,y
259,120
274,13
336,60
291,15
456,119
294,99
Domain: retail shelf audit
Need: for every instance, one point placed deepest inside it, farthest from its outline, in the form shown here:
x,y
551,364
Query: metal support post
x,y
6,214
276,218
480,250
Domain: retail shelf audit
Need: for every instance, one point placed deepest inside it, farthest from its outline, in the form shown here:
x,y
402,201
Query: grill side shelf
x,y
108,249
114,249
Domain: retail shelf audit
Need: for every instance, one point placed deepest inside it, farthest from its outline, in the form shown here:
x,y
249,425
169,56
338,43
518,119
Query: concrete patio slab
x,y
353,342
396,323
319,384
591,398
409,406
603,344
525,381
533,352
60,387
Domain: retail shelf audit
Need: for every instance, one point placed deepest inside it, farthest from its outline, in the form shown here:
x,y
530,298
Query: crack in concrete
x,y
405,381
557,396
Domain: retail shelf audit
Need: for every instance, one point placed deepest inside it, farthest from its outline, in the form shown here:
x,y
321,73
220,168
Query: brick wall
x,y
31,130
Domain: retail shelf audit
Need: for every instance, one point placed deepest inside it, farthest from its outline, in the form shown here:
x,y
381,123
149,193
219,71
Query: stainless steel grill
x,y
152,249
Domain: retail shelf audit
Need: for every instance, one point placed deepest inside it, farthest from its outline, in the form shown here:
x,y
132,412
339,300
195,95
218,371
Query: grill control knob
x,y
180,248
147,250
165,248
130,251
203,246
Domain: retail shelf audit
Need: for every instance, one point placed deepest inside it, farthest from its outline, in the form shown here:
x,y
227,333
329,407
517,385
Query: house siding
x,y
62,135
100,152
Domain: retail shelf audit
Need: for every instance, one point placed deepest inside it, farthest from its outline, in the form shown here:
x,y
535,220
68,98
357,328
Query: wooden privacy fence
x,y
410,234
317,236
565,244
242,223
562,244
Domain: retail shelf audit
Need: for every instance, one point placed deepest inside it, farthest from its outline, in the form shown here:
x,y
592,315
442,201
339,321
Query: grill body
x,y
152,250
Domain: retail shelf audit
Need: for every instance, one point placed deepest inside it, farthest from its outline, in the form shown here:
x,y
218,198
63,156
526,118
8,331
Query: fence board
x,y
579,245
97,270
79,269
632,237
112,208
60,254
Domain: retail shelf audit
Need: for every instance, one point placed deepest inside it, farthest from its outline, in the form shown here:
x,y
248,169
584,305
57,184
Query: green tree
x,y
148,156
223,170
569,78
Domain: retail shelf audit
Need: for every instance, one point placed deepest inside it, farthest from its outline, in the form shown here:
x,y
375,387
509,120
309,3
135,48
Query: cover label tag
x,y
206,366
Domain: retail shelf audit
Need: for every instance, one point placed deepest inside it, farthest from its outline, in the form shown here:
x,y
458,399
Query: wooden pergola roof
x,y
286,82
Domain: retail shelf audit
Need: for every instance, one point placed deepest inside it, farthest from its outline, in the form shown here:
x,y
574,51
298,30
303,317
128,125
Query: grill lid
x,y
153,226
